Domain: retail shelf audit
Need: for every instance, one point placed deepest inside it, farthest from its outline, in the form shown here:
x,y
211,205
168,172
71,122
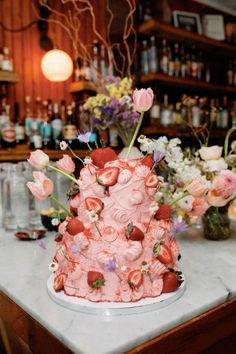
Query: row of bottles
x,y
43,127
95,69
6,63
192,111
173,59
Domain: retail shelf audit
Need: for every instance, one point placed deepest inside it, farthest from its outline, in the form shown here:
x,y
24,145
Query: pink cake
x,y
116,249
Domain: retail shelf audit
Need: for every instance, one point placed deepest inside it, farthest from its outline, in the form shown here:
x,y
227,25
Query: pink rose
x,y
196,188
66,164
42,187
142,99
38,159
199,207
225,184
211,153
216,200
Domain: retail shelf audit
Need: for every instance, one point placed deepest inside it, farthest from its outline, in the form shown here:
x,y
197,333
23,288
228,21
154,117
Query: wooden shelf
x,y
78,86
167,80
178,131
22,153
8,76
175,33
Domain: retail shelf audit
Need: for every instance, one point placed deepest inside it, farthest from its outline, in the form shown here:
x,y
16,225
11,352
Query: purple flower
x,y
158,156
178,226
84,137
110,265
75,248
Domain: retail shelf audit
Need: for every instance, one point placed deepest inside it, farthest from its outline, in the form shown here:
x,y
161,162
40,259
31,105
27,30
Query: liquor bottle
x,y
152,56
103,68
213,111
188,65
166,113
144,58
6,61
230,73
87,73
171,62
28,116
36,138
38,112
208,72
177,64
63,111
164,57
177,119
194,63
19,128
147,10
57,126
224,114
46,128
78,71
200,66
196,114
155,112
69,132
95,62
8,131
183,65
234,73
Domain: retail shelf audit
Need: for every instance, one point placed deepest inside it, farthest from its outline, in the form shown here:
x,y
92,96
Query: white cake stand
x,y
113,308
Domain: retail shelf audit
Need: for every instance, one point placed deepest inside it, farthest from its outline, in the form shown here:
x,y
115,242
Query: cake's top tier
x,y
124,187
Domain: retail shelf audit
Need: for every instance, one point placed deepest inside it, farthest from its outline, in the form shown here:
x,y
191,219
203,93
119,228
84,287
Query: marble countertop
x,y
209,268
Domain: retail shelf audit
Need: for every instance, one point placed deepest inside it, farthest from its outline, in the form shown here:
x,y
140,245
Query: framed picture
x,y
187,20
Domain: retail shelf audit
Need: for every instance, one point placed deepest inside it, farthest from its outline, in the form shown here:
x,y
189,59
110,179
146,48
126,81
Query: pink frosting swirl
x,y
157,287
98,190
142,171
133,251
82,240
156,269
124,176
106,260
136,197
157,232
110,234
138,293
120,215
125,291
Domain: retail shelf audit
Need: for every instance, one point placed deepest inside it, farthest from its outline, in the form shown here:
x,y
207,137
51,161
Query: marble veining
x,y
209,267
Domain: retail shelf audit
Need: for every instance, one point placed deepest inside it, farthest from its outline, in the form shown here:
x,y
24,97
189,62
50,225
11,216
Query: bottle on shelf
x,y
230,73
164,57
103,67
188,65
200,65
177,62
224,114
194,63
147,10
183,65
153,55
234,73
46,128
57,126
166,113
155,112
19,127
28,116
8,134
7,64
171,62
69,132
144,58
177,114
95,62
196,114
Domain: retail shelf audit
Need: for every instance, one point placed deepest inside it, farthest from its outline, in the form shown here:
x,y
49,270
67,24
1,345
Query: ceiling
x,y
228,6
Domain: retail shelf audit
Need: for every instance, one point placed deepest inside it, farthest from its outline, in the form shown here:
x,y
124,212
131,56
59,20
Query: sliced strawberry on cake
x,y
94,203
74,226
163,212
103,155
135,278
151,181
171,281
162,253
95,279
133,233
59,281
107,176
147,161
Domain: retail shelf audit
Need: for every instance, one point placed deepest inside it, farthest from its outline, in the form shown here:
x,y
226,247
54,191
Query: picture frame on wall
x,y
187,20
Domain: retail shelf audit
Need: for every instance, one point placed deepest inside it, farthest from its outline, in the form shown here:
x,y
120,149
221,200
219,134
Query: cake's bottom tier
x,y
113,308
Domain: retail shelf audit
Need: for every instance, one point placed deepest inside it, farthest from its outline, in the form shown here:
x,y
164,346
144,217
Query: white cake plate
x,y
113,308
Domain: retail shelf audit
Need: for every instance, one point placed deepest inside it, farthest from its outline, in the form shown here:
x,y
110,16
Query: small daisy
x,y
92,215
53,267
63,145
144,267
154,207
87,160
55,222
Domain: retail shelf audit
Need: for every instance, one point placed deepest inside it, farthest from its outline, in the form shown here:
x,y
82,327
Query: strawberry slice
x,y
95,279
107,176
103,155
59,281
171,281
151,180
133,233
94,203
162,253
163,212
147,161
135,278
74,226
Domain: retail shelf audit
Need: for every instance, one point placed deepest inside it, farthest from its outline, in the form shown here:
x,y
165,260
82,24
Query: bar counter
x,y
208,303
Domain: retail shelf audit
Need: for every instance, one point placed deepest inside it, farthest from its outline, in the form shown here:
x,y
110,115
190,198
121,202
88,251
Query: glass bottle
x,y
19,128
155,112
95,62
177,63
183,65
224,114
194,63
103,68
171,62
166,114
46,128
69,131
230,73
144,58
56,123
152,55
200,66
164,57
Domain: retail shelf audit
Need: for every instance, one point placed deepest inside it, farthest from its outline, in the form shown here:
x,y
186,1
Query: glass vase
x,y
216,224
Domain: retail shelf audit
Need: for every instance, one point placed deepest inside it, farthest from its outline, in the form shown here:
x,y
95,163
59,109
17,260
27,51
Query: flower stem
x,y
60,205
76,156
135,134
98,229
63,173
226,144
179,198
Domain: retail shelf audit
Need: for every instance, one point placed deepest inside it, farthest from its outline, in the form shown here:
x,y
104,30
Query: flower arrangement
x,y
114,108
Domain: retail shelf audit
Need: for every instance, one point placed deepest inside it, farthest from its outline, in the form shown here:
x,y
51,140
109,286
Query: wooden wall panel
x,y
26,53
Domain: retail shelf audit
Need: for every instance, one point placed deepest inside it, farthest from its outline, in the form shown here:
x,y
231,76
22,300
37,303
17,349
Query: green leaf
x,y
156,249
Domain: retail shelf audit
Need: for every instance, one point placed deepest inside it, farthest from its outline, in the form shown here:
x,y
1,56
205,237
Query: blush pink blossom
x,y
211,153
38,159
196,188
216,200
66,164
199,207
142,99
225,184
42,187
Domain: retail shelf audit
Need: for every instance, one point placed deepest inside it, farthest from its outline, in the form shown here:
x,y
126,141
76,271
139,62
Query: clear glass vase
x,y
216,224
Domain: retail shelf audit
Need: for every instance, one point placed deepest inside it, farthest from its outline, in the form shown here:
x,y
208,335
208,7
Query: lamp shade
x,y
57,65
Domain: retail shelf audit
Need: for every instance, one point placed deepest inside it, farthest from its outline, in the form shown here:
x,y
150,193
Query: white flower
x,y
63,145
158,196
215,165
92,215
153,207
147,146
144,268
87,160
186,203
141,139
53,267
55,222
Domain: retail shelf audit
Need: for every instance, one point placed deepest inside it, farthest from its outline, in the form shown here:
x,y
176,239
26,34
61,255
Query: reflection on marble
x,y
209,267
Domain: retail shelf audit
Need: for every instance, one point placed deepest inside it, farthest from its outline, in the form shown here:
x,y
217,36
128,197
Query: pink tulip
x,y
42,187
142,99
38,159
225,184
210,153
66,164
196,188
